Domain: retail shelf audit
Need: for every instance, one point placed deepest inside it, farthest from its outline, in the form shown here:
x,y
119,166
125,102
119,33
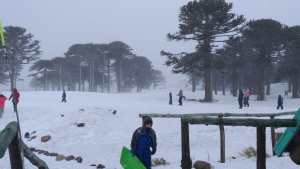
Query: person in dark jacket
x,y
15,96
180,94
280,102
143,143
170,98
64,97
240,98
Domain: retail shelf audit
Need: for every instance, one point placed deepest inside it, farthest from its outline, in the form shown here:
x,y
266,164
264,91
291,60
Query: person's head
x,y
15,90
147,122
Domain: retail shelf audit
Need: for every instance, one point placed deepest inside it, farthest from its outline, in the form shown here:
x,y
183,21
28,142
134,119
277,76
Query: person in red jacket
x,y
2,103
15,98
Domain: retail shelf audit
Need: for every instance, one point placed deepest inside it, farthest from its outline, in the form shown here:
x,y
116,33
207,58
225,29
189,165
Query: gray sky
x,y
143,24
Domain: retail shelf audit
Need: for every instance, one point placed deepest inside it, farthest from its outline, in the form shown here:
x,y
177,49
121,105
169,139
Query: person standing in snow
x,y
170,98
64,97
143,142
2,103
280,102
247,98
15,95
240,98
180,94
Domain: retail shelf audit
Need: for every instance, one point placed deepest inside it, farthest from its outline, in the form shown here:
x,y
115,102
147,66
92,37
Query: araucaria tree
x,y
21,48
206,22
265,38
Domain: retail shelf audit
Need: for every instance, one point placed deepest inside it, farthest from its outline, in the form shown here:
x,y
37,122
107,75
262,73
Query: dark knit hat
x,y
147,120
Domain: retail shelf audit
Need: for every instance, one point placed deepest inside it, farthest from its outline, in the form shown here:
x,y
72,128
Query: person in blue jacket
x,y
143,143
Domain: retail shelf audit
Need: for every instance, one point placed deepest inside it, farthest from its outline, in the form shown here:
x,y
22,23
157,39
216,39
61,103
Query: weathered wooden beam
x,y
6,137
169,115
244,122
273,139
222,140
16,160
186,162
261,148
35,160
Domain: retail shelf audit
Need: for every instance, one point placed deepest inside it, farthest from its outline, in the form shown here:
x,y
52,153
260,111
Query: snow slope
x,y
101,140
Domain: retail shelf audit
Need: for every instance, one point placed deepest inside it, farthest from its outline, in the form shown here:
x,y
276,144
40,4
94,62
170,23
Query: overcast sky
x,y
143,24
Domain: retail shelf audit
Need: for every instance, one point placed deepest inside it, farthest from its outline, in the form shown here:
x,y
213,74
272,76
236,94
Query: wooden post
x,y
222,140
186,162
261,148
15,154
273,139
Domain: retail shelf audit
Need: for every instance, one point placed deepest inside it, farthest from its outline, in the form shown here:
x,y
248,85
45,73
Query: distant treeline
x,y
92,67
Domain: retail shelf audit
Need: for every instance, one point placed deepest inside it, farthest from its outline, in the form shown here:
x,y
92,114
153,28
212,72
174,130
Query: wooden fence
x,y
258,120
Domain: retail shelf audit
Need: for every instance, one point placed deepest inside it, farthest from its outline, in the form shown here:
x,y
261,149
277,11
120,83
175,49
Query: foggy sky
x,y
143,24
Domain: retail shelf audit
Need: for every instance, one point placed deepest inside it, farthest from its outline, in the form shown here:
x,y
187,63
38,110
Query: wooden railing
x,y
9,139
258,120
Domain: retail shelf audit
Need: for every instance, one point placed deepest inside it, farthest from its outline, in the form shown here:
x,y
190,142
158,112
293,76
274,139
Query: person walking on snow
x,y
180,94
15,95
2,103
170,98
246,98
143,142
240,98
280,102
64,97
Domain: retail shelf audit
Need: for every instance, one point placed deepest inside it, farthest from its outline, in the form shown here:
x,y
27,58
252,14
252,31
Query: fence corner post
x,y
186,162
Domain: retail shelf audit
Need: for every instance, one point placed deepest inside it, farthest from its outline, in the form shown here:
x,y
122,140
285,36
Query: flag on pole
x,y
2,41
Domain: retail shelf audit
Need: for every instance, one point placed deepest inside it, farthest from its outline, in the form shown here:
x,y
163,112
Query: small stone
x,y
114,112
34,132
27,135
45,139
202,165
53,154
60,157
81,109
62,115
100,166
33,137
69,158
93,165
80,124
79,159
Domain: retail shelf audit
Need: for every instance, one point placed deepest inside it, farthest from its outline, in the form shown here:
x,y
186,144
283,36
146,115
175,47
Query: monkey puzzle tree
x,y
206,22
20,48
265,38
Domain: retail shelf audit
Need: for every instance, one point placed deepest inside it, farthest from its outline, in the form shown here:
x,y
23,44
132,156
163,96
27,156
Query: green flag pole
x,y
2,35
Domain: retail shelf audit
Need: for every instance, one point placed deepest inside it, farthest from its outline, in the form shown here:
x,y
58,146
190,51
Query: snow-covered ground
x,y
101,140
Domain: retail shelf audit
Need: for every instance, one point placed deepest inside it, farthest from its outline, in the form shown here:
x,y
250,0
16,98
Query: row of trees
x,y
90,66
98,66
253,55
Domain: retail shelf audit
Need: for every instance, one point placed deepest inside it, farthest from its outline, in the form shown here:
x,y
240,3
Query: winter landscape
x,y
77,76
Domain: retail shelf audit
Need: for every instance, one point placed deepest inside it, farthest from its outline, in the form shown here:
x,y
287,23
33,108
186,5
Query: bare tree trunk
x,y
223,85
193,82
108,75
261,84
295,90
268,92
208,88
235,85
215,82
290,86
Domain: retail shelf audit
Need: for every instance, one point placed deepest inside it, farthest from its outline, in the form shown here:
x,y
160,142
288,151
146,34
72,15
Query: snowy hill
x,y
104,134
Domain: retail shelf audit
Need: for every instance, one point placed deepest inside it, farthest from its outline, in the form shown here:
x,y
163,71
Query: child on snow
x,y
240,98
15,98
2,103
246,98
180,94
64,97
280,102
170,98
143,143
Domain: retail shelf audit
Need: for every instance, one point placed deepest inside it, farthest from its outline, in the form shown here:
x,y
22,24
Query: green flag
x,y
2,41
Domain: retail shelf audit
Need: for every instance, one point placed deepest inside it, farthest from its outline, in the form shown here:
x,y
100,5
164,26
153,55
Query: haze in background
x,y
142,24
